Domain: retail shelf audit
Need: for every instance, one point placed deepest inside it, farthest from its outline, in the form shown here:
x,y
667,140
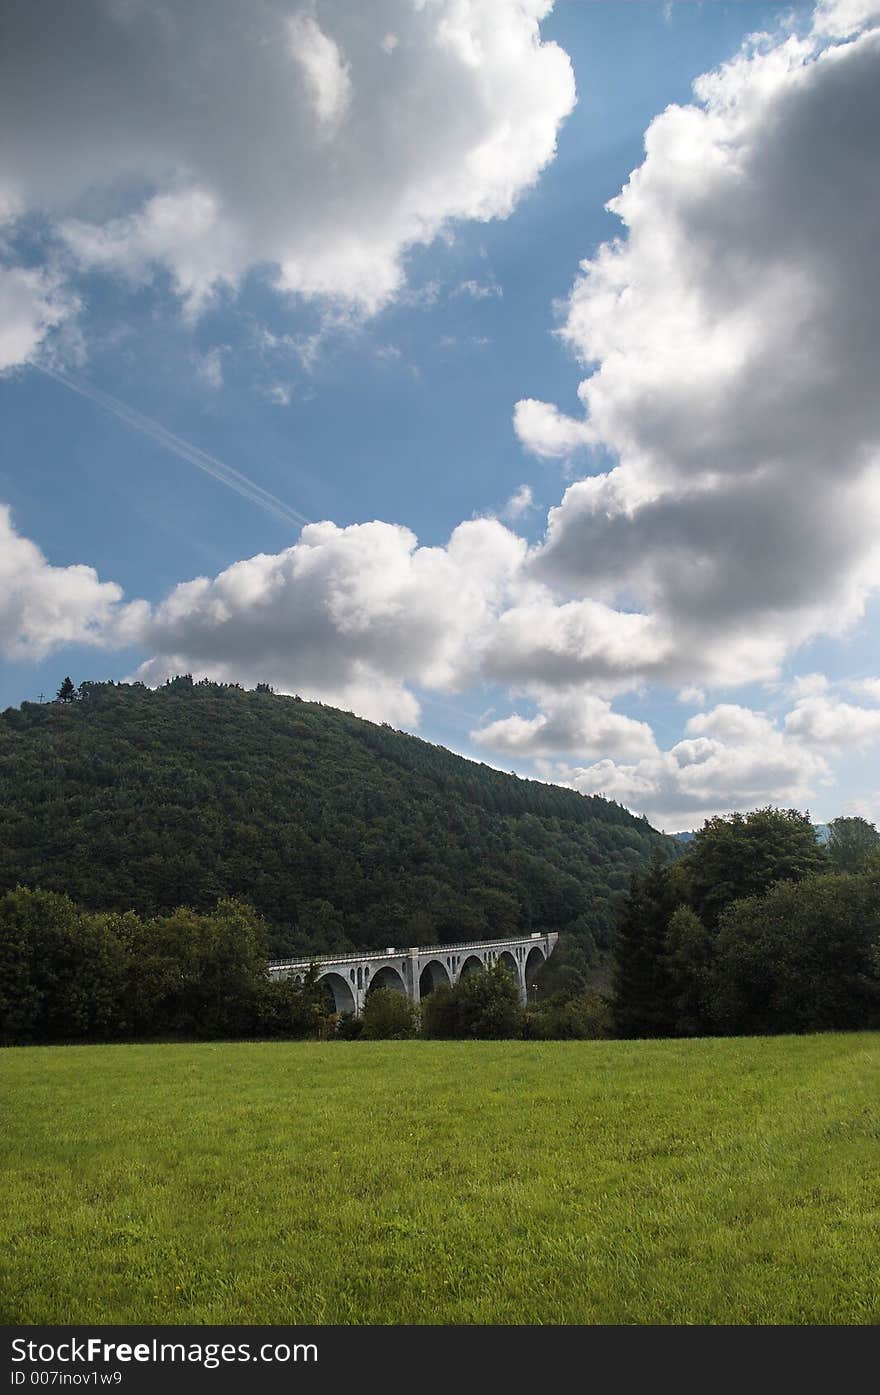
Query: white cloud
x,y
44,607
546,431
327,75
731,759
576,723
806,685
840,18
519,503
349,616
183,138
209,367
538,641
33,302
831,724
867,687
691,696
478,290
729,340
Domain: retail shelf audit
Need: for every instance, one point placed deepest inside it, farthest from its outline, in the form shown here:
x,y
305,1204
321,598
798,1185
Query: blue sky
x,y
335,296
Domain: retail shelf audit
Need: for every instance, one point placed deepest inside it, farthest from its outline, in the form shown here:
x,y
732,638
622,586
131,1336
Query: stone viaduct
x,y
417,971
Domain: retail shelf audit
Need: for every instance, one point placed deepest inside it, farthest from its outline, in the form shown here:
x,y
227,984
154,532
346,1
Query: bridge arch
x,y
534,959
387,977
338,989
510,964
432,976
470,966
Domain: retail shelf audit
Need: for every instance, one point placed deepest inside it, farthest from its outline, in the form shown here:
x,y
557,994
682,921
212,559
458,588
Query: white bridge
x,y
418,971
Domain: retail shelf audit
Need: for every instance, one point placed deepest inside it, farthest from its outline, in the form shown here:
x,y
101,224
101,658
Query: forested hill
x,y
341,832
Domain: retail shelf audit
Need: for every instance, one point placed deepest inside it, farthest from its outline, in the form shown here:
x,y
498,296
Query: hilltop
x,y
341,832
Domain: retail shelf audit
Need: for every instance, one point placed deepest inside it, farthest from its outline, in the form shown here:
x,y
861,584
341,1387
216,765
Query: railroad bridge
x,y
419,970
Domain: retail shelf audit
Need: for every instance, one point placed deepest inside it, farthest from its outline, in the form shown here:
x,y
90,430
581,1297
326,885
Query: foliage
x,y
288,1008
67,974
388,1016
64,974
341,833
744,854
586,1016
349,1027
794,955
484,1004
439,1015
671,957
642,985
488,1006
688,965
567,972
801,958
851,843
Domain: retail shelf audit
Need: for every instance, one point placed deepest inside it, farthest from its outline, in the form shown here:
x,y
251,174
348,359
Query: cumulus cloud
x,y
546,431
349,616
729,337
806,685
538,641
573,722
839,18
43,607
731,758
184,137
831,724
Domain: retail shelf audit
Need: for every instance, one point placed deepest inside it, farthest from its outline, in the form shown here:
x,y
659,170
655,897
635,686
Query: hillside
x,y
341,832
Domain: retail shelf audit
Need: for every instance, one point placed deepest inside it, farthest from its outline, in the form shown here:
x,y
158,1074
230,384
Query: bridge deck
x,y
478,946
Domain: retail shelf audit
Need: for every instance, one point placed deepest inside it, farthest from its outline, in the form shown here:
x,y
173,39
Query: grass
x,y
443,1182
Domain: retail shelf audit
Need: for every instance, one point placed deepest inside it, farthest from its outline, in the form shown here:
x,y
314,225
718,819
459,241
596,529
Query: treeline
x,y
71,975
341,833
757,929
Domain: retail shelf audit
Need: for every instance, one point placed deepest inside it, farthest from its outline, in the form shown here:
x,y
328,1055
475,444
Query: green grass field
x,y
443,1182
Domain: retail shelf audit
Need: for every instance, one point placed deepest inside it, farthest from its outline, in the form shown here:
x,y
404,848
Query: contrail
x,y
233,479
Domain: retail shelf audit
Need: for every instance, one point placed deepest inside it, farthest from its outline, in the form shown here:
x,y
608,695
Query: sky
x,y
500,370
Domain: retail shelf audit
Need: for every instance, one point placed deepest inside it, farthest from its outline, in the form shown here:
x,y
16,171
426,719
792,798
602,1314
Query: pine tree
x,y
67,692
643,1005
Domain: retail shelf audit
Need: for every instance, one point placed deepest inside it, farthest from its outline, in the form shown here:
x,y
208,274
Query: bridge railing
x,y
472,945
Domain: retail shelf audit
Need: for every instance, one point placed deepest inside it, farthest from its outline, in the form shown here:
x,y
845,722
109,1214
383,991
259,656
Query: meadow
x,y
709,1181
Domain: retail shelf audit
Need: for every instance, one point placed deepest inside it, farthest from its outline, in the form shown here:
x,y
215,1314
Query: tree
x,y
63,970
440,1013
488,1005
289,1008
688,963
585,1017
642,984
741,855
801,958
851,843
67,692
484,1004
388,1016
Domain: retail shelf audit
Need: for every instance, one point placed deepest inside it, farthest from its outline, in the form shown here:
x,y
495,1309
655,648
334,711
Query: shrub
x,y
388,1016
